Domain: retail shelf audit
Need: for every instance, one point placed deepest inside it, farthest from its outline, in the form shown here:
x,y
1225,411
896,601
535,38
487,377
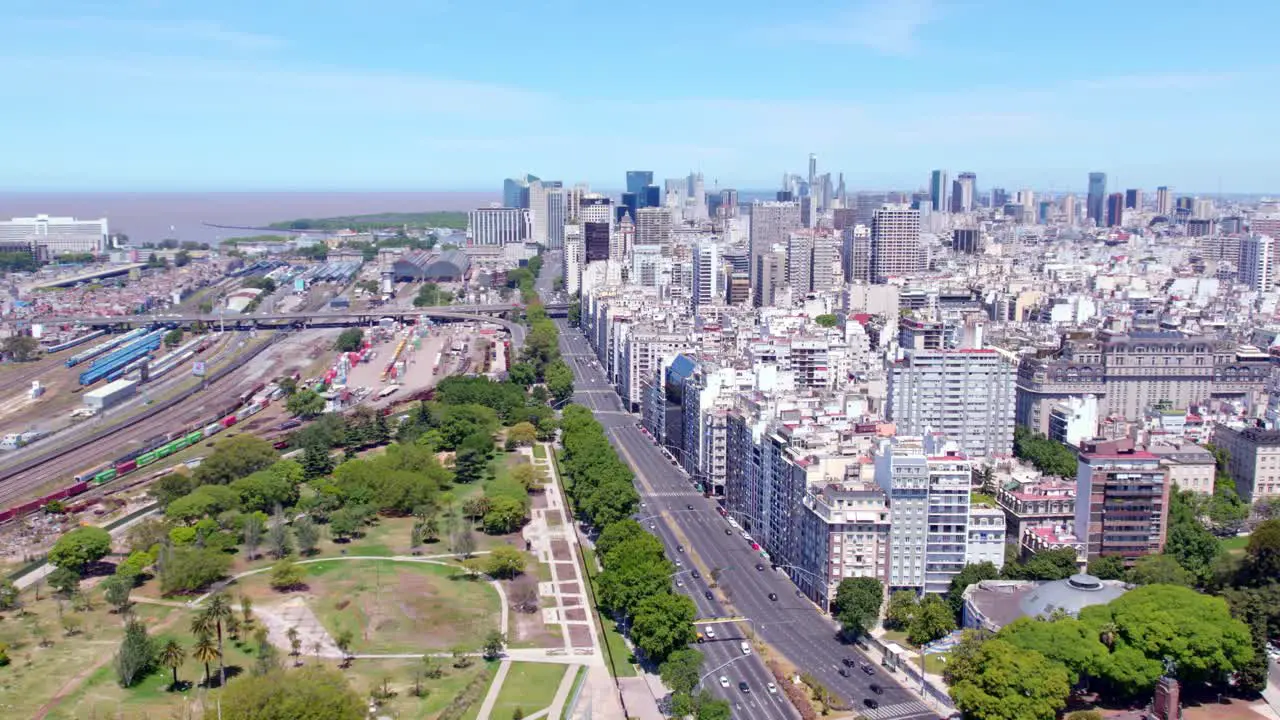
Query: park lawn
x,y
539,451
396,607
366,675
35,674
934,663
897,636
529,686
1235,545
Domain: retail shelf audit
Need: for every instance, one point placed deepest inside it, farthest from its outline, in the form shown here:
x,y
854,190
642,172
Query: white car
x,y
709,632
746,647
724,681
773,689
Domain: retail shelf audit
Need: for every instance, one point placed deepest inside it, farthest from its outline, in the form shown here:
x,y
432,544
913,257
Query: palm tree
x,y
220,610
172,656
1107,634
246,609
343,641
202,624
205,651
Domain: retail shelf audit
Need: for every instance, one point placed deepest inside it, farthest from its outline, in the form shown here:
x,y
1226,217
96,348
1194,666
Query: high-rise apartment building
x,y
895,242
707,274
927,481
966,240
843,532
1095,206
938,191
498,226
539,219
653,228
1115,209
1164,201
1133,199
1069,208
638,179
47,237
811,262
1122,500
574,254
770,274
1257,262
515,191
771,223
968,395
596,214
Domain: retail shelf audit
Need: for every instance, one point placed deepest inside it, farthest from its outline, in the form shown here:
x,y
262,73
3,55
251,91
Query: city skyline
x,y
135,96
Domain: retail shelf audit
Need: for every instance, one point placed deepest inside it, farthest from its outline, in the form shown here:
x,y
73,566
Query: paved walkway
x,y
495,687
562,694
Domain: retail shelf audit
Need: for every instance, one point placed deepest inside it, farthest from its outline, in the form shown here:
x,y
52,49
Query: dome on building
x,y
1070,596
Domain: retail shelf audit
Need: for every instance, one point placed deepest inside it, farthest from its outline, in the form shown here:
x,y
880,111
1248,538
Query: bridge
x,y
314,319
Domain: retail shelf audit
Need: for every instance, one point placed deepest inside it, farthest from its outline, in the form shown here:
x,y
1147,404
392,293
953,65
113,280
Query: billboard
x,y
197,368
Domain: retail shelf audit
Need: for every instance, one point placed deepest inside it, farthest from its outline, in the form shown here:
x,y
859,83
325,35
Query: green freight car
x,y
147,458
104,476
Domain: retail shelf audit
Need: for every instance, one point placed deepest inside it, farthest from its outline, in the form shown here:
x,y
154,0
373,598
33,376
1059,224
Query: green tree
x,y
305,403
968,575
1154,622
115,590
1262,554
343,524
931,621
1048,456
617,533
20,348
9,596
252,532
857,604
521,434
173,338
309,693
505,515
530,477
559,378
826,321
902,608
1159,570
308,535
494,642
279,537
711,708
663,624
349,340
1065,640
136,657
505,562
316,462
191,569
681,670
1107,567
1058,564
235,458
287,575
80,548
218,611
522,374
64,581
172,655
1011,684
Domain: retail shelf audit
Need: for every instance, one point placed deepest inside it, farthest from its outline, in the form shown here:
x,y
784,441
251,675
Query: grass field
x,y
393,607
1235,545
539,451
528,686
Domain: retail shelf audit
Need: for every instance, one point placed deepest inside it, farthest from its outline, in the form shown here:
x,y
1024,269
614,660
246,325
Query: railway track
x,y
195,405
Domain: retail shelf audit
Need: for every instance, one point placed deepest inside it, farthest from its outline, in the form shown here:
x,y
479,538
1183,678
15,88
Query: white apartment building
x,y
927,481
539,218
843,533
986,536
967,395
573,250
642,353
708,276
895,243
498,226
51,236
1074,419
557,215
653,228
1254,460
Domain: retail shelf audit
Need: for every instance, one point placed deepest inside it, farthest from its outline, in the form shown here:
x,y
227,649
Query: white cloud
x,y
889,27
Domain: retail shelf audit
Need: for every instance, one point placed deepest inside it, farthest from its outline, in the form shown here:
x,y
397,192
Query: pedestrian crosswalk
x,y
673,493
899,711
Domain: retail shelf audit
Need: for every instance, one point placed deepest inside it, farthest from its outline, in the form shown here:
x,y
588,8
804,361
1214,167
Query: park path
x,y
495,687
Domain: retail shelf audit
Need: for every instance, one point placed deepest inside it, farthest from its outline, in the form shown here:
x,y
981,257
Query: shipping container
x,y
104,476
126,467
212,429
146,459
228,421
194,437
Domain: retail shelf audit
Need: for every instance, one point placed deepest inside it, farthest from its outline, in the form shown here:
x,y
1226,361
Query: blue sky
x,y
454,94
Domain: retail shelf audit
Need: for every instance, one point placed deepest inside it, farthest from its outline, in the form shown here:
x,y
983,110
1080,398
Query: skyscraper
x,y
1115,209
596,213
1164,201
855,256
1257,263
556,217
515,191
770,224
653,228
537,195
895,242
651,196
707,283
1095,207
813,169
637,180
963,191
938,191
697,196
1133,199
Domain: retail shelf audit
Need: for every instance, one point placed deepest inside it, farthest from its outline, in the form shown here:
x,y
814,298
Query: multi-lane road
x,y
680,516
